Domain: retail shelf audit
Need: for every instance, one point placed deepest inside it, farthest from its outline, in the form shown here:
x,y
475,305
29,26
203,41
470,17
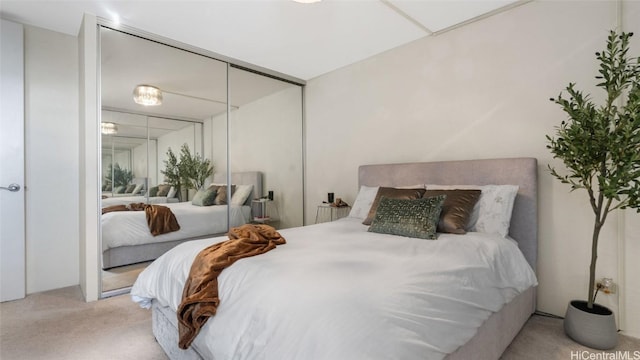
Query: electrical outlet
x,y
606,285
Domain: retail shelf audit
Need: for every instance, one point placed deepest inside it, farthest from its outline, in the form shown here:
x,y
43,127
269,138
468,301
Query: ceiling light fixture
x,y
307,1
147,95
108,128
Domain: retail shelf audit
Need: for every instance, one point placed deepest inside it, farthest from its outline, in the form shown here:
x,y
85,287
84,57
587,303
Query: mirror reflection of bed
x,y
143,151
128,246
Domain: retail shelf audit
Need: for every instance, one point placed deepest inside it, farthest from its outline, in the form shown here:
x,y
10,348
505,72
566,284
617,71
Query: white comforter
x,y
122,228
336,291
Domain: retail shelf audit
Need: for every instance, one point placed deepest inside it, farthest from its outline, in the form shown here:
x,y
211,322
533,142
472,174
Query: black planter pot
x,y
595,328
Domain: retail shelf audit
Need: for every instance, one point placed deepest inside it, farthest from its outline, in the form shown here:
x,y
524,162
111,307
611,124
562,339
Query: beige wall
x,y
479,91
51,159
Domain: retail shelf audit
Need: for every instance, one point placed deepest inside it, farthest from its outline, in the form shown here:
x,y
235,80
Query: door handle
x,y
11,187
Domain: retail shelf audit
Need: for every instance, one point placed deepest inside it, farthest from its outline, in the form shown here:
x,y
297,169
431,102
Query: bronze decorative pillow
x,y
392,193
163,190
221,198
456,210
416,218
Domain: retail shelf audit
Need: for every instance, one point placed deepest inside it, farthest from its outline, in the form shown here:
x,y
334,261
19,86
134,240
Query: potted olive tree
x,y
600,148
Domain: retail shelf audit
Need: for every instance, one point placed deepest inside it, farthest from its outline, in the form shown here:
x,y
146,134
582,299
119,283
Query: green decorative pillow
x,y
129,189
153,191
205,197
417,218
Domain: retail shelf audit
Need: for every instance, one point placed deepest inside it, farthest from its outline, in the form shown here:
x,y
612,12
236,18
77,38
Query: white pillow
x,y
172,192
417,186
492,212
363,202
241,194
137,189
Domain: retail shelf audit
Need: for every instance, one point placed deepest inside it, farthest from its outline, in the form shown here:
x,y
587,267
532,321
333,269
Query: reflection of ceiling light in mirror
x,y
147,95
108,128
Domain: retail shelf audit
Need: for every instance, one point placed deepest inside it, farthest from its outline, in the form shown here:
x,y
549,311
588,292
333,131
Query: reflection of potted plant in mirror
x,y
190,172
118,176
600,147
171,171
194,169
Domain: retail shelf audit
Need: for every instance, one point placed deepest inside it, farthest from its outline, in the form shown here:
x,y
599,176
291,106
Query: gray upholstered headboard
x,y
244,178
513,171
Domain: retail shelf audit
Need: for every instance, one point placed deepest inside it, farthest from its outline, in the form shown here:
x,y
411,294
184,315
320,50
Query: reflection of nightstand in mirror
x,y
326,213
264,211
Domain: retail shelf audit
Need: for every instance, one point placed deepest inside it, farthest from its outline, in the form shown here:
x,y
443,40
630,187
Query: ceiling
x,y
282,36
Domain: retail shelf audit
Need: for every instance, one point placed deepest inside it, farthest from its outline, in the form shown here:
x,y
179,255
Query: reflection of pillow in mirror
x,y
119,190
129,188
137,189
172,192
205,197
163,190
153,191
221,198
241,194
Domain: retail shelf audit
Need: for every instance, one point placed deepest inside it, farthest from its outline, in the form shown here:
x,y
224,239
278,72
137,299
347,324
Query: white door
x,y
12,223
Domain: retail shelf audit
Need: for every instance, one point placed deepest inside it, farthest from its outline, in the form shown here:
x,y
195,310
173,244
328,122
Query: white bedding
x,y
123,228
336,291
125,200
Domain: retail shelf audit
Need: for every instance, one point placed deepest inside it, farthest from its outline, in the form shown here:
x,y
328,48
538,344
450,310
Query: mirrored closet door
x,y
217,144
265,135
157,105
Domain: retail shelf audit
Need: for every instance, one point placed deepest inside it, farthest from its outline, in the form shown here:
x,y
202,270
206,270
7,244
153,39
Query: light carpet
x,y
121,277
58,324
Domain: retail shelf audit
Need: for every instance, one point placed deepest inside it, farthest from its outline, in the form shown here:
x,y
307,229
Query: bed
x,y
336,290
126,239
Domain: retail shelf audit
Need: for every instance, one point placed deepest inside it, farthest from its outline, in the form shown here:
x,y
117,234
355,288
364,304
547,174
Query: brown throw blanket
x,y
160,219
200,295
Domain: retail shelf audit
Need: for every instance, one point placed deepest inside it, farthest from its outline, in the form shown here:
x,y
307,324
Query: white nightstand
x,y
326,213
264,211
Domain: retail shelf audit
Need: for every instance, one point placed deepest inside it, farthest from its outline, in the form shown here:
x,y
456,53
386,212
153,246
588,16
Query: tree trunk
x,y
594,256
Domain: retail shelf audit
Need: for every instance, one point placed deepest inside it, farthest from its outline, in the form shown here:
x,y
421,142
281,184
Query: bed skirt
x,y
127,255
493,337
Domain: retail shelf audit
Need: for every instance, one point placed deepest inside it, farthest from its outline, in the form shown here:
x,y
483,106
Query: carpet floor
x,y
121,277
58,324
